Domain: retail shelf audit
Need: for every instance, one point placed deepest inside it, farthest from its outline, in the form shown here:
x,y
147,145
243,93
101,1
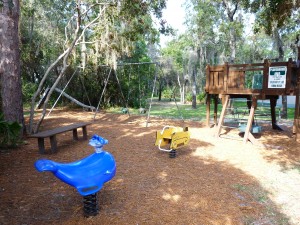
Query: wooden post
x,y
248,135
207,84
75,135
53,143
41,145
221,120
265,76
288,76
215,109
84,132
273,100
208,98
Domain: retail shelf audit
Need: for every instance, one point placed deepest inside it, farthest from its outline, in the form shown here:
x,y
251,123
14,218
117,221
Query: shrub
x,y
189,97
167,93
28,89
201,97
9,133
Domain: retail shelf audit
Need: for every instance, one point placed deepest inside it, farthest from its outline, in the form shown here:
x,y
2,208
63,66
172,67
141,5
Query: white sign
x,y
277,77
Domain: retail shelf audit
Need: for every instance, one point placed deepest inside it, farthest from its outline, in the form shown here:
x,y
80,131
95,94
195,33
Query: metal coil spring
x,y
90,205
172,153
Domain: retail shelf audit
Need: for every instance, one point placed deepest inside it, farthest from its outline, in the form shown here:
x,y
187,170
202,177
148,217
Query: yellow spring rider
x,y
174,137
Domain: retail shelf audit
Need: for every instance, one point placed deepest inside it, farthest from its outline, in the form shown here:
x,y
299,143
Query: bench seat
x,y
52,135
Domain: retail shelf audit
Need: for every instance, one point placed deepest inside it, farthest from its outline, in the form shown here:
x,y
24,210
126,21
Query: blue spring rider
x,y
87,175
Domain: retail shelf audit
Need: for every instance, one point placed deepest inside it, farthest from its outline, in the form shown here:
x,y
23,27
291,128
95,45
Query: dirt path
x,y
211,181
274,167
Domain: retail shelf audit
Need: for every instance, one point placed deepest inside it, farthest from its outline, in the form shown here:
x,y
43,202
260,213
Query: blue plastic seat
x,y
88,174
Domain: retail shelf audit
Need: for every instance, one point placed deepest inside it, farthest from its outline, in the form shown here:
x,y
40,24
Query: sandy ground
x,y
211,181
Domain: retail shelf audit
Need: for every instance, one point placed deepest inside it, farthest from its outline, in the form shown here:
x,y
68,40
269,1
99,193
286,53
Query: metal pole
x,y
61,93
154,82
102,93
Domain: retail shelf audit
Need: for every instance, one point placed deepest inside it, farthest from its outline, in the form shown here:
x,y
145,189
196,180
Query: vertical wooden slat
x,y
225,75
288,76
265,76
242,79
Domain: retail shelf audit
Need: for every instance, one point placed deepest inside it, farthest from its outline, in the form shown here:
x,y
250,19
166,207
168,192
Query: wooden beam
x,y
208,98
215,109
207,78
221,120
273,100
247,135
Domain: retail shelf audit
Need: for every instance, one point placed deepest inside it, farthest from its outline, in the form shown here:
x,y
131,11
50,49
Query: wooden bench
x,y
52,134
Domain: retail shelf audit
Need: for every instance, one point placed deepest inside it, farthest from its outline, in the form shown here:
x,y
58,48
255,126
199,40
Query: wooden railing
x,y
252,79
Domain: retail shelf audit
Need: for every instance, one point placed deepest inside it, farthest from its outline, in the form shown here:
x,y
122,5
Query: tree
x,y
107,30
271,17
10,75
176,56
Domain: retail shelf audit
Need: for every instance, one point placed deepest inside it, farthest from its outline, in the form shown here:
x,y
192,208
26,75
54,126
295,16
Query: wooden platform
x,y
52,135
253,82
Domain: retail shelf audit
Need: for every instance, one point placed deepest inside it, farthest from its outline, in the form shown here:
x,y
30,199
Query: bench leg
x,y
41,145
84,132
75,135
53,143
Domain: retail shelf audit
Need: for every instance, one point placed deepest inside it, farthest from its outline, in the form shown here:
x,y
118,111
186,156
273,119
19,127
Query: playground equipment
x,y
87,175
255,129
237,116
175,137
269,81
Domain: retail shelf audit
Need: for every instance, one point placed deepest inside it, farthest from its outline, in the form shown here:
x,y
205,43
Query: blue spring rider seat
x,y
87,175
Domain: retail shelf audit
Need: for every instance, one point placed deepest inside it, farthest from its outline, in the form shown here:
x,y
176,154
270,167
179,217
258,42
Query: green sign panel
x,y
277,77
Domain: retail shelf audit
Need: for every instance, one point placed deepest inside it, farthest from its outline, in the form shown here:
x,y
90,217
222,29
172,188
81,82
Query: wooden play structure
x,y
173,137
258,81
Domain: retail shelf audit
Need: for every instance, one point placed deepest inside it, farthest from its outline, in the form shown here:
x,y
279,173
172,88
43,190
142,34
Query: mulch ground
x,y
211,181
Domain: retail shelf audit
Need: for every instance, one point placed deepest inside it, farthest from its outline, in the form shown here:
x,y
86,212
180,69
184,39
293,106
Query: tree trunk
x,y
74,100
279,47
231,9
194,88
180,88
160,90
10,72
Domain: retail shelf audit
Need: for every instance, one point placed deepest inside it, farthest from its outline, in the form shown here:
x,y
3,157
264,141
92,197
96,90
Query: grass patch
x,y
168,109
270,216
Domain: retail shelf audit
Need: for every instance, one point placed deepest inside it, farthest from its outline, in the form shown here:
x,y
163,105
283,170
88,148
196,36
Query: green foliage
x,y
189,97
165,109
9,133
28,90
201,97
272,14
121,34
167,93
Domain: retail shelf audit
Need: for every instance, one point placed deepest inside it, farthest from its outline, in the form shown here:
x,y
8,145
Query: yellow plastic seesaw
x,y
175,137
